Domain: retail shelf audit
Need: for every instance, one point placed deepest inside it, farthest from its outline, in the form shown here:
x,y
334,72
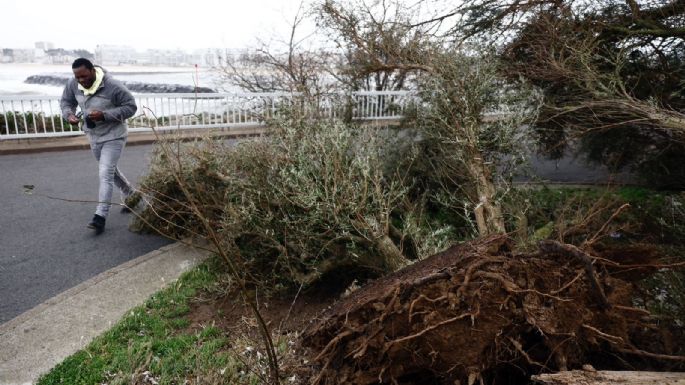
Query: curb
x,y
32,343
61,297
80,141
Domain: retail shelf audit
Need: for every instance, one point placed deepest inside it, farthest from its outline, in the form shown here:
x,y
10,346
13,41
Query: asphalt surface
x,y
571,170
45,247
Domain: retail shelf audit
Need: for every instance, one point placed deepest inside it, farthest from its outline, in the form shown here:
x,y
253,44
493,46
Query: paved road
x,y
45,247
570,170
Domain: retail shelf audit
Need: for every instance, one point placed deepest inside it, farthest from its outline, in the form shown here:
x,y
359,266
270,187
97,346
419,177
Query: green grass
x,y
152,341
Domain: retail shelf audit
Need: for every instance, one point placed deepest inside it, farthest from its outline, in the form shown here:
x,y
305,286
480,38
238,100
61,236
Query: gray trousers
x,y
107,155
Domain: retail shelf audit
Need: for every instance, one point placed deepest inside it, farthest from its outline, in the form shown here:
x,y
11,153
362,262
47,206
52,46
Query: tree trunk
x,y
488,212
582,377
391,255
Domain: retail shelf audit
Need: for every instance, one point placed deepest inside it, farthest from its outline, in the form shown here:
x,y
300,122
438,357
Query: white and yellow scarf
x,y
99,74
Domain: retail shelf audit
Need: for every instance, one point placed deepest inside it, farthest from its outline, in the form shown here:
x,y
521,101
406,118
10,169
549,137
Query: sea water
x,y
12,77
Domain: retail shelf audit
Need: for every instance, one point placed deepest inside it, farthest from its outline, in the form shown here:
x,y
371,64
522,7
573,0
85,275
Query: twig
x,y
511,287
652,355
233,268
332,343
640,266
519,348
411,306
568,284
290,309
632,309
426,330
608,337
604,226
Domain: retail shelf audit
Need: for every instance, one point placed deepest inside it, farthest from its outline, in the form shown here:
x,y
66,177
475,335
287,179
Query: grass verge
x,y
153,344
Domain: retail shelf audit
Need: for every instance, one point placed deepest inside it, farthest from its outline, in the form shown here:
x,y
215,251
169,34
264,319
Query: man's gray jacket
x,y
112,98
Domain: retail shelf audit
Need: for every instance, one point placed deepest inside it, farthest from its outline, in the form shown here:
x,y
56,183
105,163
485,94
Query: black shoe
x,y
131,202
97,224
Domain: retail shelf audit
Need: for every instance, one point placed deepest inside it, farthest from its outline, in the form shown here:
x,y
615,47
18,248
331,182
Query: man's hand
x,y
72,119
96,115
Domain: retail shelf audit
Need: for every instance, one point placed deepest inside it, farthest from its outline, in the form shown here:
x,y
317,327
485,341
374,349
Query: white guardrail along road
x,y
40,116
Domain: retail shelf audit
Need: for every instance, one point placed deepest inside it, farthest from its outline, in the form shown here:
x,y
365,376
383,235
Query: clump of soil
x,y
479,312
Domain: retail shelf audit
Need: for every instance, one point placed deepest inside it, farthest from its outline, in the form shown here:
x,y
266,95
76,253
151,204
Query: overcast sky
x,y
167,24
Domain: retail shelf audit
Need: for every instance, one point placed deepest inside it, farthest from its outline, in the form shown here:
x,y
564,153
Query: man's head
x,y
84,72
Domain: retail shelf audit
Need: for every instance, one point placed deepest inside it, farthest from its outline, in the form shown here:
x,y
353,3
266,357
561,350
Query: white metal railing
x,y
39,116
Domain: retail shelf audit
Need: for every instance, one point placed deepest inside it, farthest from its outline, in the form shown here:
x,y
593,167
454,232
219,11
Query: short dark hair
x,y
82,62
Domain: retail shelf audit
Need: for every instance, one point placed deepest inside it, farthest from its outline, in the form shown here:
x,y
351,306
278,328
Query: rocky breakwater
x,y
155,88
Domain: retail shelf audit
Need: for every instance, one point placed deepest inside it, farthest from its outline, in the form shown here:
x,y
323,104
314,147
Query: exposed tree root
x,y
466,314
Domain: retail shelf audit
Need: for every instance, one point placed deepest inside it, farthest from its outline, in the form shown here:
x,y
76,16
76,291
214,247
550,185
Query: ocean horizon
x,y
13,75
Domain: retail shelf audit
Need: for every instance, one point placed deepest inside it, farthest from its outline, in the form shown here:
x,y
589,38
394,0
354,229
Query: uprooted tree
x,y
463,153
611,72
317,198
457,86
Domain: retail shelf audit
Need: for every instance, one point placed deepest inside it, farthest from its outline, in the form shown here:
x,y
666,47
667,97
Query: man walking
x,y
105,104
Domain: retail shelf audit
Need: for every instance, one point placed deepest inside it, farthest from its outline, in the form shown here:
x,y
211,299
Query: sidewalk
x,y
34,342
80,142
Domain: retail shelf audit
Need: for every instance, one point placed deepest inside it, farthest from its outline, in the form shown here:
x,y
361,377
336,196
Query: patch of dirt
x,y
285,314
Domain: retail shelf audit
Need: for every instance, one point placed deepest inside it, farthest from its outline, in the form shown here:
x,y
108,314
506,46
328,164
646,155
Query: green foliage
x,y
307,200
665,297
467,156
657,160
617,90
577,214
15,122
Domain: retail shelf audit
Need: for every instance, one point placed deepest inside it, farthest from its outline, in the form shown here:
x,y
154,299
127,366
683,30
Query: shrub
x,y
308,200
30,123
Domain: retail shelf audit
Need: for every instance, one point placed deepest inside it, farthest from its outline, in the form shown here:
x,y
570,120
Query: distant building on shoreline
x,y
44,52
110,55
115,55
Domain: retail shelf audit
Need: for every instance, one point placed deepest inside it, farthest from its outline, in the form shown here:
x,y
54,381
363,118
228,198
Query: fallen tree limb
x,y
582,377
